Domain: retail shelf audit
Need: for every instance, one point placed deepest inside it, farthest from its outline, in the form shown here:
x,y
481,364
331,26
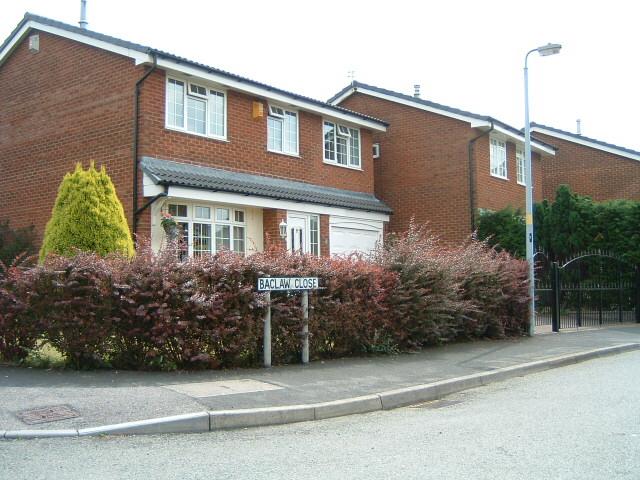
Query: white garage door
x,y
345,240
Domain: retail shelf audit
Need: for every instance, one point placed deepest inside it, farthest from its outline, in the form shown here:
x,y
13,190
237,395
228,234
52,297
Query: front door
x,y
297,233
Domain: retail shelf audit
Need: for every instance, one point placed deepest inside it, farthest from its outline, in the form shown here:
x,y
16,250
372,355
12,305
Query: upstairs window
x,y
194,108
341,145
282,130
498,156
520,167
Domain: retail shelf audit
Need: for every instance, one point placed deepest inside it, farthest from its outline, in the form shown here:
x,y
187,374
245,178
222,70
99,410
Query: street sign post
x,y
284,284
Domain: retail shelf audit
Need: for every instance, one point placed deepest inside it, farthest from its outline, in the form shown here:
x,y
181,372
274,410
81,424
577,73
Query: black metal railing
x,y
592,289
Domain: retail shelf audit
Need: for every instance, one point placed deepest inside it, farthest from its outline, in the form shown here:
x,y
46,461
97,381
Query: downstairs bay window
x,y
209,229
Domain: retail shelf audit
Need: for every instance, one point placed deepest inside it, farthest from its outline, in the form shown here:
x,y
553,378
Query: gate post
x,y
555,292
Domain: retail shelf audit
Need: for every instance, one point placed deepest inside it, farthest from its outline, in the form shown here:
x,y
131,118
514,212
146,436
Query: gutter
x,y
472,177
136,132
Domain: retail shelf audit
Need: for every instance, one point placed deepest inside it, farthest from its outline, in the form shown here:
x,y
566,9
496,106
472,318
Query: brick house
x,y
231,158
590,167
441,165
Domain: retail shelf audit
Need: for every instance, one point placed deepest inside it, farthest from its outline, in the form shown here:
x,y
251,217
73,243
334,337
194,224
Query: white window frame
x,y
521,175
191,219
498,166
307,230
280,113
209,98
336,133
376,150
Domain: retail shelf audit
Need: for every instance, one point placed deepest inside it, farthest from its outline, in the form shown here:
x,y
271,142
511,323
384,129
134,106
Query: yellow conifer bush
x,y
87,216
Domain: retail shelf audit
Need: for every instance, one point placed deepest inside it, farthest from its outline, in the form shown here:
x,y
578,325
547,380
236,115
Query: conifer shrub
x,y
87,216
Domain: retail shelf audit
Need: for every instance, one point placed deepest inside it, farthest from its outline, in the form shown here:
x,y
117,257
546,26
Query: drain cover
x,y
47,414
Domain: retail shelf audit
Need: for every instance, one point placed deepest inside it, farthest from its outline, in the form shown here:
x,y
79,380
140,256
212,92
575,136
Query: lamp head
x,y
283,229
549,49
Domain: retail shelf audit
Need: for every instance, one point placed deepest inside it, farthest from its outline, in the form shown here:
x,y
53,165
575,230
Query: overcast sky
x,y
465,54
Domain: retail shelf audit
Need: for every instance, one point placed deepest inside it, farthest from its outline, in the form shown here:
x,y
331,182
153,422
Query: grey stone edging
x,y
254,417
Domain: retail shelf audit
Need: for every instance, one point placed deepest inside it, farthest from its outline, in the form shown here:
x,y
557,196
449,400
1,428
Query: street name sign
x,y
274,284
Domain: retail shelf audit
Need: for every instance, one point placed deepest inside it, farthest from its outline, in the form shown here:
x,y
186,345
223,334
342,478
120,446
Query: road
x,y
578,422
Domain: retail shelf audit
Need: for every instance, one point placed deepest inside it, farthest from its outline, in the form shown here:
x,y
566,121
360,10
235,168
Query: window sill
x,y
349,167
522,184
294,155
499,177
208,137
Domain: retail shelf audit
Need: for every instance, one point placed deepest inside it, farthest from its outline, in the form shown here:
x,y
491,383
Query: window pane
x,y
196,115
239,216
184,246
216,117
329,141
222,214
177,210
201,238
238,240
314,234
274,134
354,148
520,166
223,237
203,212
498,154
291,132
175,103
341,150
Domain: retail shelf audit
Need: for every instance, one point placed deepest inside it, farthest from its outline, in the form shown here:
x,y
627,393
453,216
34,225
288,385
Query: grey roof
x,y
165,172
149,50
583,138
428,103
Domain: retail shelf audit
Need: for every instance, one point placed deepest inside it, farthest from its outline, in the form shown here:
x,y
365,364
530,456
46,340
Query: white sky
x,y
465,54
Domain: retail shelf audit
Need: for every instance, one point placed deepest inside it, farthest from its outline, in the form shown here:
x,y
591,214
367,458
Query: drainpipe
x,y
472,178
136,115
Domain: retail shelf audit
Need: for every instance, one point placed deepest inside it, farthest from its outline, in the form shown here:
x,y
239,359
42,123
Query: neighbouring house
x,y
590,167
235,161
440,165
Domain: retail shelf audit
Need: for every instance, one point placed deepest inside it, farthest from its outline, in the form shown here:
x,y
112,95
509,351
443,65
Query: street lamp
x,y
545,50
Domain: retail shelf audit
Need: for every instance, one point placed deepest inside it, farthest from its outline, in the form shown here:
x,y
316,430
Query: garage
x,y
353,236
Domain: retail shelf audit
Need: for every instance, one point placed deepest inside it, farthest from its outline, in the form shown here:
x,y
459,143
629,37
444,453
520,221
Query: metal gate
x,y
589,290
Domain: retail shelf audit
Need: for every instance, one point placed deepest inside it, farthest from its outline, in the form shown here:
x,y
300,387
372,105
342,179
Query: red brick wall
x,y
271,219
68,103
72,103
325,246
246,148
588,171
495,193
423,169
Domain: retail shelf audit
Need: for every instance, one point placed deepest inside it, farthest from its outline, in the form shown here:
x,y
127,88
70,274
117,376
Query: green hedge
x,y
571,224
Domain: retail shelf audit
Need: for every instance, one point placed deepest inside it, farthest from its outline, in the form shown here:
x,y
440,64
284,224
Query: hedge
x,y
567,226
154,311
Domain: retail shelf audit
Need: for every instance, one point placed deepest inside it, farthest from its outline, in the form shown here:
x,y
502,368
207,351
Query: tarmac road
x,y
577,422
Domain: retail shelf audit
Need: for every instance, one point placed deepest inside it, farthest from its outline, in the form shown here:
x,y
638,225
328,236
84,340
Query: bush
x,y
87,216
154,311
504,230
568,226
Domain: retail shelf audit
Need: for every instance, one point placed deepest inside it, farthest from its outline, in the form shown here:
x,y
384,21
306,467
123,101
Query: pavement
x,y
159,402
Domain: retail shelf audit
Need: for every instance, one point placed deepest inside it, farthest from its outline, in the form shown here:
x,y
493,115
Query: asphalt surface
x,y
108,397
576,422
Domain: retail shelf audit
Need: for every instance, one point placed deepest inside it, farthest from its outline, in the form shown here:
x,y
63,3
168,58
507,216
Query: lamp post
x,y
545,50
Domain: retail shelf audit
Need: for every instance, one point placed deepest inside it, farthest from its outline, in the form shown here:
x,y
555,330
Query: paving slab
x,y
113,397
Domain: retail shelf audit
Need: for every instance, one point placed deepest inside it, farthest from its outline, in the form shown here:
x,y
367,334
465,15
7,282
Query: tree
x,y
87,216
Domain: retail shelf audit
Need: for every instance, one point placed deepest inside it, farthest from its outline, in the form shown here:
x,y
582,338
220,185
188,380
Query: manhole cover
x,y
47,414
227,387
